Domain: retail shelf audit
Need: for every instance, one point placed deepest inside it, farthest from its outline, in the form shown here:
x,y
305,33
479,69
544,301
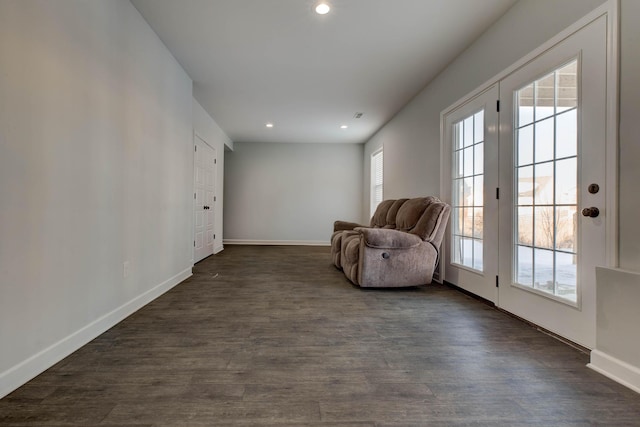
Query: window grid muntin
x,y
461,147
554,250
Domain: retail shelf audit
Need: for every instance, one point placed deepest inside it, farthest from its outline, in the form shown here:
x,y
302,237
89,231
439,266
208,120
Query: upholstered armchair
x,y
405,255
383,217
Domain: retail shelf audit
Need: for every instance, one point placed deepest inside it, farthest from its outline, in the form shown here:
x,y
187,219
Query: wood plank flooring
x,y
276,336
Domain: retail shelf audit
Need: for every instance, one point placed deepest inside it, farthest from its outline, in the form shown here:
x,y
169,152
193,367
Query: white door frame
x,y
212,204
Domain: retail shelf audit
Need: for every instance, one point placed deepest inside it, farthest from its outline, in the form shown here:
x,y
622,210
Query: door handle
x,y
591,212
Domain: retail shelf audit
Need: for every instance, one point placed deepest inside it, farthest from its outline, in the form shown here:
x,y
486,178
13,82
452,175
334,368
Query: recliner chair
x,y
402,252
383,217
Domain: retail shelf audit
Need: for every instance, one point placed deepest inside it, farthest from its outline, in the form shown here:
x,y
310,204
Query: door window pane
x,y
478,190
543,183
525,145
525,225
524,260
566,181
468,132
567,134
525,185
566,228
525,106
478,159
543,270
545,97
567,87
468,161
544,139
545,251
478,130
544,227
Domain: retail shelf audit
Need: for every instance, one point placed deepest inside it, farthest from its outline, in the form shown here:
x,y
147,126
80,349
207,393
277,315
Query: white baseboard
x,y
619,371
218,249
24,371
278,242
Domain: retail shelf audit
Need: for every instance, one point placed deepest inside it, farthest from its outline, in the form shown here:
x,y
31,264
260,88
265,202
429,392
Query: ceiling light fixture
x,y
269,125
344,127
322,9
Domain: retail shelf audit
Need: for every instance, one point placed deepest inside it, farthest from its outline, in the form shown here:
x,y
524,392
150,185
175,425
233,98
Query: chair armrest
x,y
382,238
345,225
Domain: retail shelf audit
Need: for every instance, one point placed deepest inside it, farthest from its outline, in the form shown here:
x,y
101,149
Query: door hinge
x,y
194,243
195,147
498,105
214,198
497,283
498,193
194,196
215,161
214,237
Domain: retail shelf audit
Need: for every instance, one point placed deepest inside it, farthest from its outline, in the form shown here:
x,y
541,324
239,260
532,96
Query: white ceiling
x,y
259,61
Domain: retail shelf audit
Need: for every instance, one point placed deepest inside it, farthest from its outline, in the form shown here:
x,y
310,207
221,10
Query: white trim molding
x,y
277,242
616,369
19,374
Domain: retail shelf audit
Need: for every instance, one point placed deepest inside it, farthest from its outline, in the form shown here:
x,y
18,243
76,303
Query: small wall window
x,y
376,179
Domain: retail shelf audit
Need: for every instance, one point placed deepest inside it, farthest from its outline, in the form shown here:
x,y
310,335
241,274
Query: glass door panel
x,y
547,182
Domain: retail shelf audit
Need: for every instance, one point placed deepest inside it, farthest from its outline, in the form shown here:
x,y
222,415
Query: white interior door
x,y
204,199
470,157
552,149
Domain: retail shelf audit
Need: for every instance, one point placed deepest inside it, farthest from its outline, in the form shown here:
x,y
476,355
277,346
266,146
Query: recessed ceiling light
x,y
344,127
322,9
269,125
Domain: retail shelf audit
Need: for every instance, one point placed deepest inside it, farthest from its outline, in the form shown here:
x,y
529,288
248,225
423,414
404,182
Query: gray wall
x,y
290,192
412,138
96,165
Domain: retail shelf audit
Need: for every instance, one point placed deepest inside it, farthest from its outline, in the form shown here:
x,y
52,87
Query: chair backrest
x,y
433,222
411,211
379,218
393,213
426,217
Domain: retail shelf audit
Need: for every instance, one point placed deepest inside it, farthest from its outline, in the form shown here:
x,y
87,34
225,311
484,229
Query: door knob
x,y
591,212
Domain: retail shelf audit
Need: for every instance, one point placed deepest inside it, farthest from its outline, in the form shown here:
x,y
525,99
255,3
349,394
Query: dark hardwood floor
x,y
276,336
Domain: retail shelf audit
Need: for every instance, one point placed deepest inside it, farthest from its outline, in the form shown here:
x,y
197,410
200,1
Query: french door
x,y
527,187
470,156
552,181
